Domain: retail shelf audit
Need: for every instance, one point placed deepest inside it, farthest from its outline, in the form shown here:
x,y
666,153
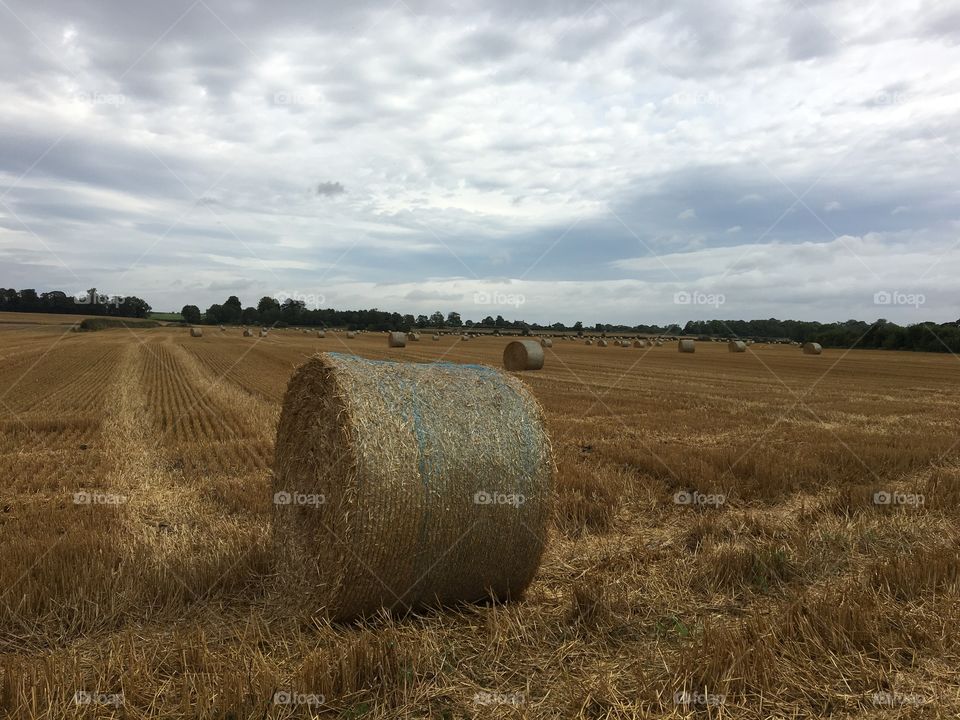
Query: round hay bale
x,y
222,329
812,348
401,485
413,337
686,346
659,343
588,341
196,332
640,343
263,333
436,337
247,333
737,346
523,355
321,334
601,343
397,339
464,338
351,335
546,342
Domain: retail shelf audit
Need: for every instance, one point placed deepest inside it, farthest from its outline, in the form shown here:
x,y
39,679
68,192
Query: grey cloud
x,y
329,189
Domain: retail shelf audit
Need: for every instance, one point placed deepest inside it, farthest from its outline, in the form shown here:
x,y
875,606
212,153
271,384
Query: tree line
x,y
89,303
881,334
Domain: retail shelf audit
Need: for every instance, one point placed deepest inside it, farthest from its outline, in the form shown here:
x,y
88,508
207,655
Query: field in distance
x,y
736,535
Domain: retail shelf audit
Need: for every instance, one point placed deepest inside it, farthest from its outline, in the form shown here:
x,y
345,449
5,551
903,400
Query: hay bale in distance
x,y
523,355
421,484
464,338
413,337
686,346
196,332
737,346
812,348
351,335
436,337
601,343
546,342
321,334
588,341
247,333
397,339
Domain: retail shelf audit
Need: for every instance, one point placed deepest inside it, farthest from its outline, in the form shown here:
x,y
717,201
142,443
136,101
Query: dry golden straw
x,y
812,348
686,346
546,342
523,355
196,332
397,339
321,334
737,346
399,485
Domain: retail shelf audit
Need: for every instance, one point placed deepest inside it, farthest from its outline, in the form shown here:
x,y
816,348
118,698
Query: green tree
x,y
267,304
437,319
453,319
191,314
232,310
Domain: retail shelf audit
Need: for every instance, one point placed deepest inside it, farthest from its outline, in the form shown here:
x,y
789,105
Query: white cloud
x,y
467,143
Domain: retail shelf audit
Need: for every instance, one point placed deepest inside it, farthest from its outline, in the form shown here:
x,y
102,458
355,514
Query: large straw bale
x,y
196,332
523,355
737,346
686,346
397,339
546,342
400,485
812,348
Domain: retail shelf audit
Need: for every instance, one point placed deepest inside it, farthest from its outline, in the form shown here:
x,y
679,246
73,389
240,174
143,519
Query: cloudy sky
x,y
598,161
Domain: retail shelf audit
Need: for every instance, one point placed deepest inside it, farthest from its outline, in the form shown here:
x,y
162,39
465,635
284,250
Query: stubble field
x,y
751,535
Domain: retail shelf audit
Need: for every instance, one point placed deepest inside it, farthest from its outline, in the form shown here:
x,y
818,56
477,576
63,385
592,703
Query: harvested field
x,y
735,535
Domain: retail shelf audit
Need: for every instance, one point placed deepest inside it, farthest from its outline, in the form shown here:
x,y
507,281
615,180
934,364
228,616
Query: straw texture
x,y
686,346
397,339
737,346
436,483
523,355
196,332
812,348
